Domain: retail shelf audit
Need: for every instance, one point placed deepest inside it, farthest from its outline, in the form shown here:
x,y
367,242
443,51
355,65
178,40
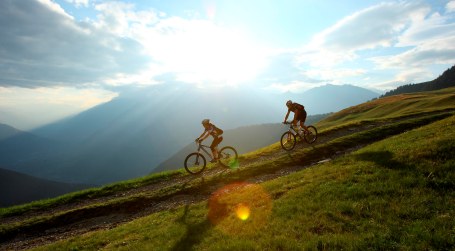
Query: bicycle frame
x,y
204,149
293,131
308,134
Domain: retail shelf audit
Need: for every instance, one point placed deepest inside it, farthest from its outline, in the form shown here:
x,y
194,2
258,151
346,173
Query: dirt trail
x,y
77,218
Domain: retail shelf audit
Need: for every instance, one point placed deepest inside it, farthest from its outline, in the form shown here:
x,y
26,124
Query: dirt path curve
x,y
78,218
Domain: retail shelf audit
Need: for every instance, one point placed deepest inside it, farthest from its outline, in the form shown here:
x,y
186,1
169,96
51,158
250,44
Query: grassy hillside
x,y
397,193
393,106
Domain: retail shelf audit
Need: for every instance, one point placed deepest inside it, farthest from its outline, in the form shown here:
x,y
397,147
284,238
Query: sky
x,y
61,57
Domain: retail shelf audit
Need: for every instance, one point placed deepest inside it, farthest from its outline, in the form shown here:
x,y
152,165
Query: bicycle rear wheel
x,y
311,135
195,163
228,157
288,141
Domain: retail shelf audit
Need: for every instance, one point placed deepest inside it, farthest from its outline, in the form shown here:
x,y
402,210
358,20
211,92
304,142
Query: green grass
x,y
393,107
88,193
398,193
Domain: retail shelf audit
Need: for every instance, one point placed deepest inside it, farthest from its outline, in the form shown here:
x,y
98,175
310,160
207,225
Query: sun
x,y
200,51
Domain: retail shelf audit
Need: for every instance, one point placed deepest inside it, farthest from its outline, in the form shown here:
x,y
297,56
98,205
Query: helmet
x,y
288,103
205,121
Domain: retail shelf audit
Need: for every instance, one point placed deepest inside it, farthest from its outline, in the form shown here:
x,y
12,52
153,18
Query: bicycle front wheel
x,y
195,163
311,135
288,141
228,157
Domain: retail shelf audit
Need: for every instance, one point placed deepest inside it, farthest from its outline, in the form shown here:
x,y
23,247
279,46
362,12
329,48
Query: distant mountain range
x,y
132,134
446,80
17,188
7,131
332,98
18,147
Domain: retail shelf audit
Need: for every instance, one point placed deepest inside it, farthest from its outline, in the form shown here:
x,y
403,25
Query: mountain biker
x,y
211,129
299,114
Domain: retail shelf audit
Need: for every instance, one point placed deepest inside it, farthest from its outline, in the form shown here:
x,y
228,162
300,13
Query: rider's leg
x,y
214,153
298,118
302,120
294,121
214,147
302,125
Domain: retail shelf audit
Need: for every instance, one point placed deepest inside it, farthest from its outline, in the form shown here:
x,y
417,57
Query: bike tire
x,y
312,135
228,157
288,141
195,163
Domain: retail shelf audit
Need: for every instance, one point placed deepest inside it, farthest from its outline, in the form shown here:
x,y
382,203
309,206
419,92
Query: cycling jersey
x,y
296,106
213,130
300,112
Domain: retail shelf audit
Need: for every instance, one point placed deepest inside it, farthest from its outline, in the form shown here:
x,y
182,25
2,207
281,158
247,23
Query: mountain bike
x,y
196,162
289,138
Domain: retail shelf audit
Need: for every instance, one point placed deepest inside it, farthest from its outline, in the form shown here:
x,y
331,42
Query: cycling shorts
x,y
301,116
216,141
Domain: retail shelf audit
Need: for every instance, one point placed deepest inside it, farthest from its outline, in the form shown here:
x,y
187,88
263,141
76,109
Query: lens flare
x,y
234,164
239,208
242,211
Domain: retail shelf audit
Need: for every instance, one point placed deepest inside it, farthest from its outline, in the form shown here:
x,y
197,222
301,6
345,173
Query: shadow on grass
x,y
194,233
439,176
383,159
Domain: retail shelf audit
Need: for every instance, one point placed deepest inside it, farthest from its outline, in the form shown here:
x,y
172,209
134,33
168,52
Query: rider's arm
x,y
287,115
202,137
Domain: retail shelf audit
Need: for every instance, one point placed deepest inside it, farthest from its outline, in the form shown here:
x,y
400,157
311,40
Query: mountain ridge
x,y
445,80
18,188
141,129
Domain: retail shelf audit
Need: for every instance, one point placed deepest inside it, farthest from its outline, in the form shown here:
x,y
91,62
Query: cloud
x,y
376,26
41,45
49,103
79,3
334,75
405,76
450,7
293,86
198,51
430,53
121,46
334,54
123,20
392,35
431,40
193,50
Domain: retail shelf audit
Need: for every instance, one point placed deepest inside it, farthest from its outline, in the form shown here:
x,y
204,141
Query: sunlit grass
x,y
393,107
398,193
89,193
